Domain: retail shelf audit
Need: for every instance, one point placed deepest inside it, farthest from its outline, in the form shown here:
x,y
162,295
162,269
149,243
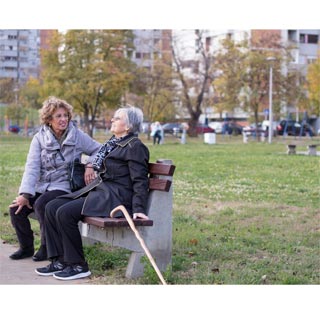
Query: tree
x,y
10,95
89,68
30,94
229,61
313,86
156,88
7,90
195,78
244,74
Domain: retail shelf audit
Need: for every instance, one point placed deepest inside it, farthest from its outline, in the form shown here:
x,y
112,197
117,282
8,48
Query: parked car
x,y
216,126
172,128
253,129
232,128
204,128
294,128
14,129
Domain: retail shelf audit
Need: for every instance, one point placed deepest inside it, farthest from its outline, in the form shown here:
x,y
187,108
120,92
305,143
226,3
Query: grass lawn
x,y
243,213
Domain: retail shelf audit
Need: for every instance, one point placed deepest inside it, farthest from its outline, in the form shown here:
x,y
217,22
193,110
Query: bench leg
x,y
312,151
135,267
291,150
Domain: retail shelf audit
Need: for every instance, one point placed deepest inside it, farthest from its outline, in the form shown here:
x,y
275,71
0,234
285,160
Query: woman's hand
x,y
20,202
89,175
140,216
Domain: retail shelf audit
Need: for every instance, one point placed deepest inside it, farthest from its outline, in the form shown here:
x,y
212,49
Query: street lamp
x,y
270,59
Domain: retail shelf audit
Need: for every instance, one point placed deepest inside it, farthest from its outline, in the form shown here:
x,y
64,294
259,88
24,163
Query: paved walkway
x,y
22,271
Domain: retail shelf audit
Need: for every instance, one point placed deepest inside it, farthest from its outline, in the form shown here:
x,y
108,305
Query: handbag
x,y
76,171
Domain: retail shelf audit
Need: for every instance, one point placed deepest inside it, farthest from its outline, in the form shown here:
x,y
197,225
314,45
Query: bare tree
x,y
195,78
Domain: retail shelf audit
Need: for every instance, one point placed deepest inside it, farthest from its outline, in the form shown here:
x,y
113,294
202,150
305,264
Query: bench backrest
x,y
160,169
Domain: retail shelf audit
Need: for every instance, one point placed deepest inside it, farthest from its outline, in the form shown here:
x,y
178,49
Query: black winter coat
x,y
124,181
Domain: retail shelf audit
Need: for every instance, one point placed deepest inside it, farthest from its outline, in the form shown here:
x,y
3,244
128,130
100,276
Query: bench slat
x,y
159,184
161,169
115,222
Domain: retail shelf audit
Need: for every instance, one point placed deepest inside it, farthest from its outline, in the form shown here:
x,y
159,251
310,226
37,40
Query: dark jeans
x,y
157,138
21,222
62,231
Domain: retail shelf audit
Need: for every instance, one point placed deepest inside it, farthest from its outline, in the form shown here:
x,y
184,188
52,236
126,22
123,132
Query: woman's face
x,y
119,125
60,120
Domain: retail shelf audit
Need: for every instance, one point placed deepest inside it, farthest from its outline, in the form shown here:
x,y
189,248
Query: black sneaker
x,y
71,272
51,269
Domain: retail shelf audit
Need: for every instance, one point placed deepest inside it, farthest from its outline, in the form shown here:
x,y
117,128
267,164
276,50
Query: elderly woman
x,y
57,143
122,178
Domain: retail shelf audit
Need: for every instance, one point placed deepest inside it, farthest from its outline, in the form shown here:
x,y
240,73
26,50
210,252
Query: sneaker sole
x,y
76,276
45,274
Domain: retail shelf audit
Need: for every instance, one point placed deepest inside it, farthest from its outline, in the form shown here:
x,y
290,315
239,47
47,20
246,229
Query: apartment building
x,y
305,44
150,45
19,54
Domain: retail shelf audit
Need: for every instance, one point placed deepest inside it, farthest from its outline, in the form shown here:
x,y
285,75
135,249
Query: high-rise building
x,y
151,45
305,44
305,48
19,54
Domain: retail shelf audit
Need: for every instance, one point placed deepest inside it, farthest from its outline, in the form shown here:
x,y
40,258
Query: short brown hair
x,y
50,106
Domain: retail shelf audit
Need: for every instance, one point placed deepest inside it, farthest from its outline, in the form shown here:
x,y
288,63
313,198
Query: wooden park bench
x,y
156,232
254,134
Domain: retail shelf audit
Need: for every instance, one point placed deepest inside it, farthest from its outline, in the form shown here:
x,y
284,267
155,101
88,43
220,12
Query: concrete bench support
x,y
312,150
291,149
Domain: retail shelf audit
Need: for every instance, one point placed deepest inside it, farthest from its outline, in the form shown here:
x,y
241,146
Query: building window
x,y
138,55
313,38
146,55
311,60
309,38
292,35
208,43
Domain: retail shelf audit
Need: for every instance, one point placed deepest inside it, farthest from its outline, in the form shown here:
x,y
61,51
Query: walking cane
x,y
133,228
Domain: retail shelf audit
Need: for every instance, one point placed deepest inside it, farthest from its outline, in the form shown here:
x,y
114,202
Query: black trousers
x,y
156,138
62,231
21,222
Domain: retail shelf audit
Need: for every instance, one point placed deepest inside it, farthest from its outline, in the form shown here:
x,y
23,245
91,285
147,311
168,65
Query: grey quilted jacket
x,y
47,161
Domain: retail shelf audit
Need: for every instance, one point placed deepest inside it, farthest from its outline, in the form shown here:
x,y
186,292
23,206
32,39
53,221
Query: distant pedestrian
x,y
156,132
185,127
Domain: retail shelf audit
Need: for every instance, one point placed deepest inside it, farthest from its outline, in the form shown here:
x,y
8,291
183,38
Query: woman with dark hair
x,y
121,166
54,146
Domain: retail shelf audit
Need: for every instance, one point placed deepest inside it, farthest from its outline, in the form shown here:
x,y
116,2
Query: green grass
x,y
243,213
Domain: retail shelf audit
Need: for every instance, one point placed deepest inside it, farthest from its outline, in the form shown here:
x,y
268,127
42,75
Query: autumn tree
x,y
195,78
244,74
10,96
313,86
7,90
89,68
156,89
229,67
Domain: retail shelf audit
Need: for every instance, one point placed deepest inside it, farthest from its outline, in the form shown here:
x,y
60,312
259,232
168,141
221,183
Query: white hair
x,y
134,118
